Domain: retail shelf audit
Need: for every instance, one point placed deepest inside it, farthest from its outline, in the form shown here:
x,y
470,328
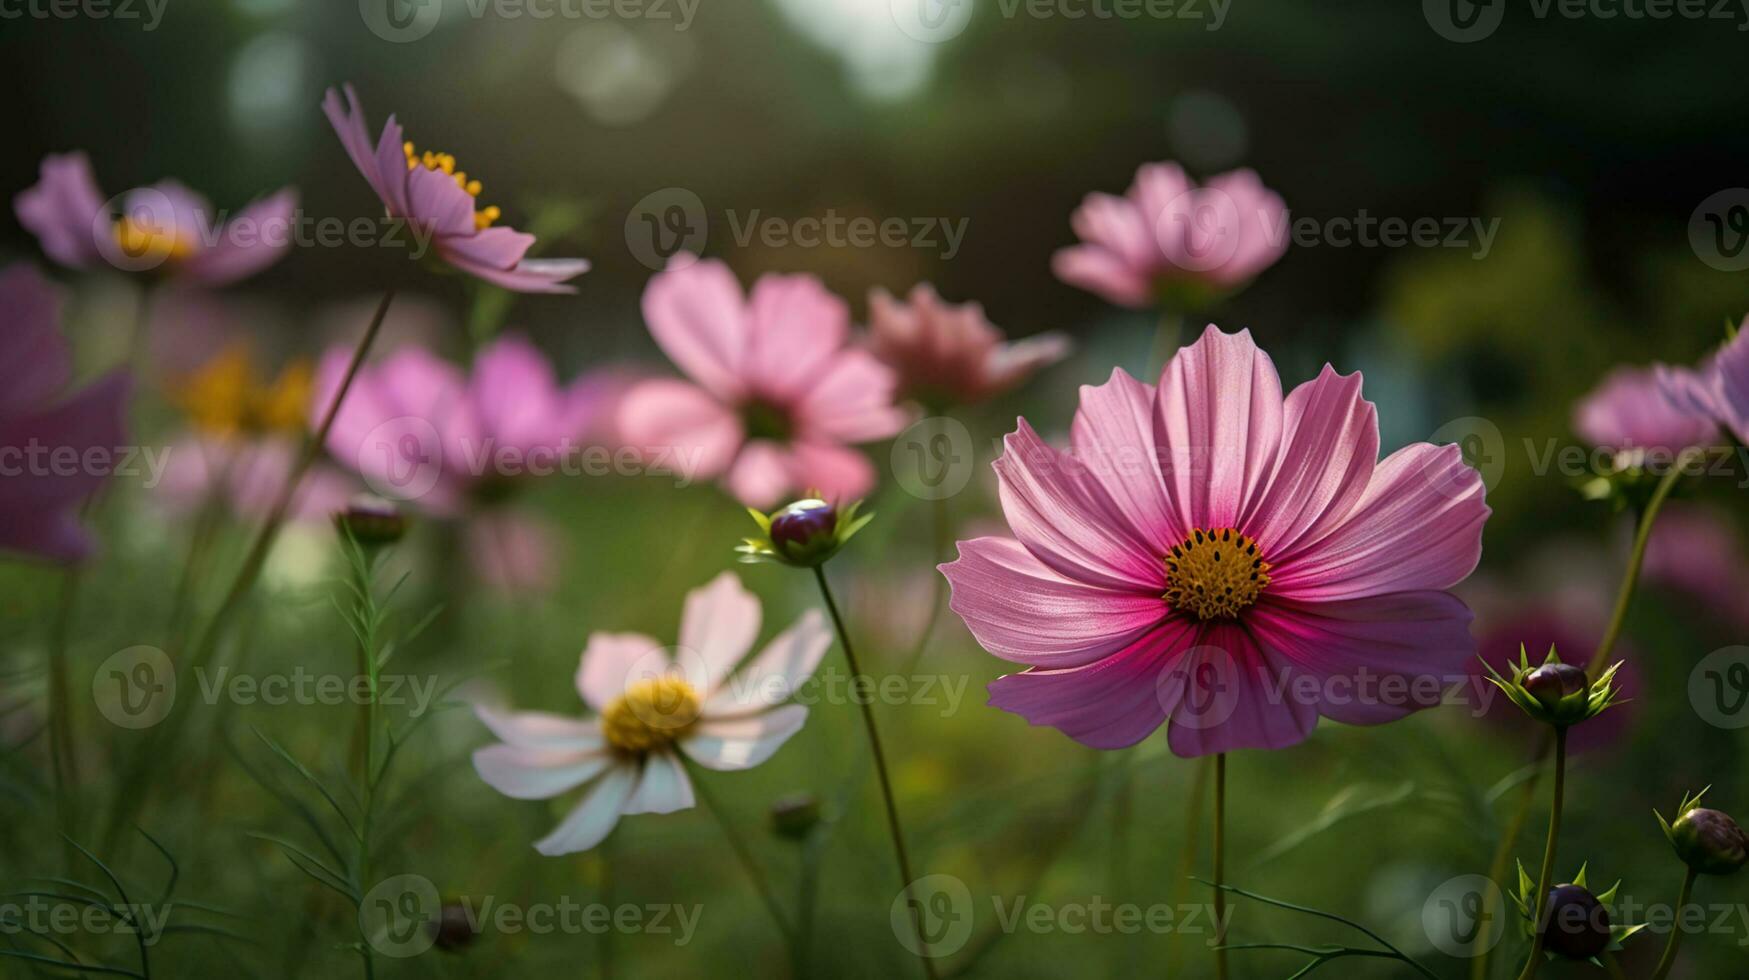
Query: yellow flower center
x,y
650,714
148,243
445,162
224,397
1215,574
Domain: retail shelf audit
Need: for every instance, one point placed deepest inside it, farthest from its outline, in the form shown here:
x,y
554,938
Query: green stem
x,y
880,761
744,854
1675,941
1220,844
1546,876
365,565
1618,618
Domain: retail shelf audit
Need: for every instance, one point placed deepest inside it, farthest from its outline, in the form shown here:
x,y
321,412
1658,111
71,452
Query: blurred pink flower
x,y
1214,556
245,475
778,395
952,354
1719,389
1696,550
40,490
1630,410
418,429
428,191
650,708
1173,243
165,226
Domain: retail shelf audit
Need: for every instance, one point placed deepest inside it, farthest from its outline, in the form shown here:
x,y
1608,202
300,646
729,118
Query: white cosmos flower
x,y
650,707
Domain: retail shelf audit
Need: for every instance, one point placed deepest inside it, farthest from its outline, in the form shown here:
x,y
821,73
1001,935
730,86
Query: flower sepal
x,y
1576,922
1556,693
806,533
1709,841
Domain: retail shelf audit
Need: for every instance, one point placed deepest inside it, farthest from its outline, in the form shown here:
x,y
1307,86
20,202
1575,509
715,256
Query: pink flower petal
x,y
696,312
1113,438
761,475
1102,273
851,400
541,730
1076,531
36,362
253,240
773,677
838,472
796,327
1218,426
1419,526
391,168
498,247
608,663
537,774
719,623
1329,448
349,124
1107,704
744,742
1229,693
677,421
662,788
38,507
1021,610
596,816
64,210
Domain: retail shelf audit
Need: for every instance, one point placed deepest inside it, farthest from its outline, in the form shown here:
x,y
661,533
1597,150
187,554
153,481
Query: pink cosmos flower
x,y
1170,241
1219,558
1719,390
245,475
950,353
778,395
56,450
418,428
164,227
1696,550
1630,411
650,708
430,192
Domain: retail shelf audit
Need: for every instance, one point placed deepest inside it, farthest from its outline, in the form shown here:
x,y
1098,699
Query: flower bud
x,y
1575,923
1710,842
372,521
453,929
794,816
804,528
1551,683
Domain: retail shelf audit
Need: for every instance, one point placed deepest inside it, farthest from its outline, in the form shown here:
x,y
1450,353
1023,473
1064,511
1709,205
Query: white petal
x,y
742,743
773,677
595,817
536,774
664,787
540,730
607,662
719,623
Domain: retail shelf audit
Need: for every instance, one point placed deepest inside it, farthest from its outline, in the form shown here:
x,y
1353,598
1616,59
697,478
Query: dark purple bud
x,y
371,521
1575,924
1710,842
1551,683
453,929
803,527
793,816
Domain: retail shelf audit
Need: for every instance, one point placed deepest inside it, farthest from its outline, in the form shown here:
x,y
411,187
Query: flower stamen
x,y
651,714
1215,574
445,163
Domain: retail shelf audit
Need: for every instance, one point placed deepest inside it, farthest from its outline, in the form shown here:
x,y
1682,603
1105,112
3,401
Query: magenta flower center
x,y
652,713
1215,574
445,162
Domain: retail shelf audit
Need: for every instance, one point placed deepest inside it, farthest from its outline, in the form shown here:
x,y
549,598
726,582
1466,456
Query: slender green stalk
x,y
1187,858
1618,618
744,854
1220,842
1669,958
136,787
1545,877
880,761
